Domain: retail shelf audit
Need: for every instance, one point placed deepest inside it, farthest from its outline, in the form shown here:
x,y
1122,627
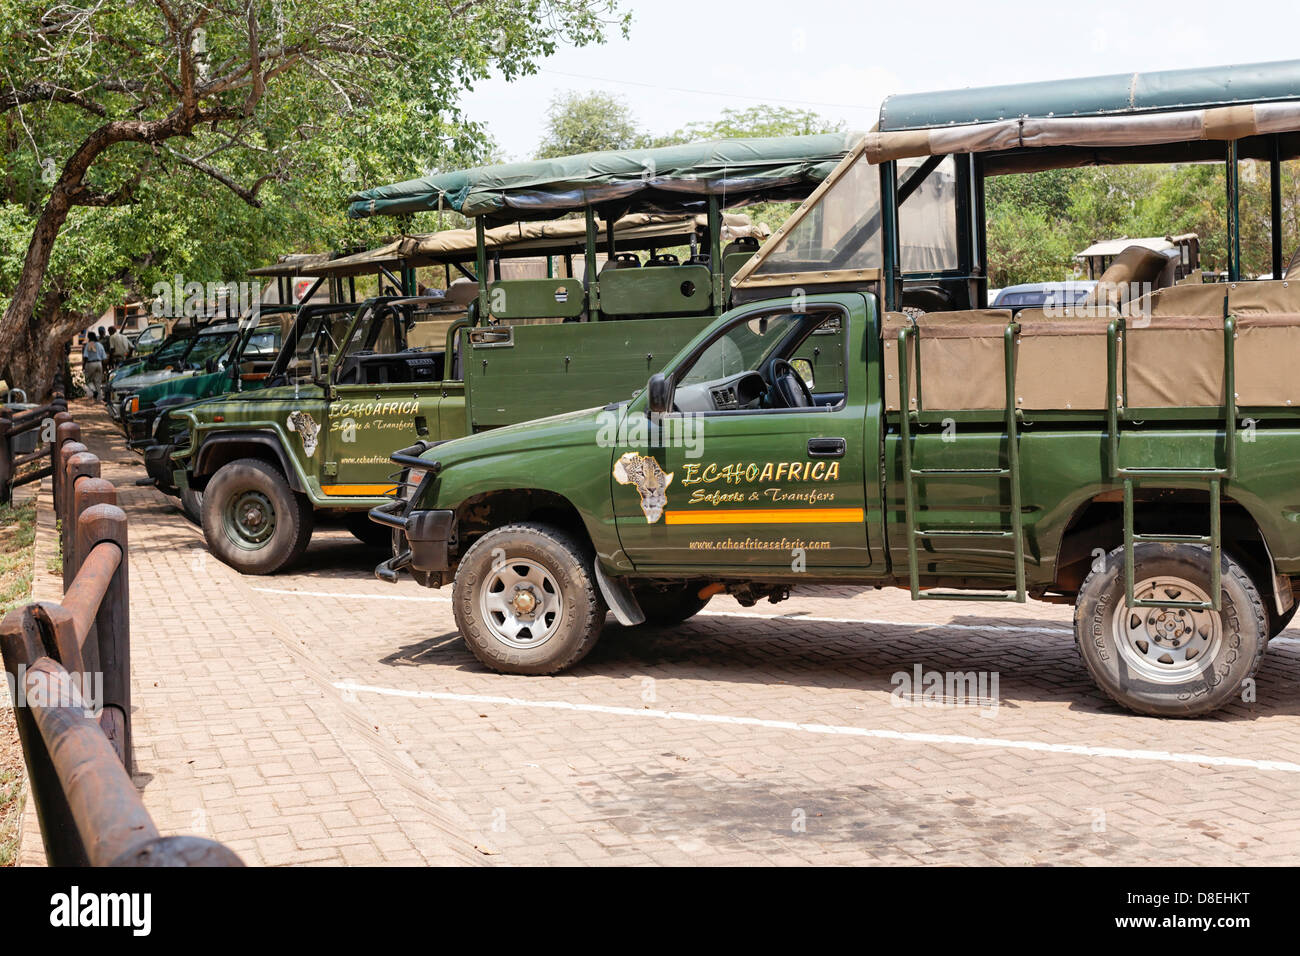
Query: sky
x,y
687,60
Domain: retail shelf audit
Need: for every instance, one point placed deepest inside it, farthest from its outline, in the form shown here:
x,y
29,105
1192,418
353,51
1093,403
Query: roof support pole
x,y
889,232
480,259
1234,214
593,286
715,256
1275,189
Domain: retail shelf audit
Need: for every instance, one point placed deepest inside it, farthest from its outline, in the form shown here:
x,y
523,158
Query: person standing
x,y
119,346
93,357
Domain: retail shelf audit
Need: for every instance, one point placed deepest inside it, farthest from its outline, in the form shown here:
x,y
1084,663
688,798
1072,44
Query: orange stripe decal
x,y
357,491
767,516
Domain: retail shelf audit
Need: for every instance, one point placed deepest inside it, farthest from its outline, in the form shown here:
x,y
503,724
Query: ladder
x,y
1213,475
912,474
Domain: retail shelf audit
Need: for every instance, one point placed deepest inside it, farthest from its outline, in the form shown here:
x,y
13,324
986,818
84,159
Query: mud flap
x,y
620,599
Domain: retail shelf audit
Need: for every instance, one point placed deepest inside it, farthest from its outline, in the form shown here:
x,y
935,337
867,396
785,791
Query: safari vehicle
x,y
200,355
244,365
349,387
1132,455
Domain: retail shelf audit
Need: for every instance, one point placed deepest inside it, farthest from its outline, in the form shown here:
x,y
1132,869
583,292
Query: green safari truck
x,y
1133,454
352,384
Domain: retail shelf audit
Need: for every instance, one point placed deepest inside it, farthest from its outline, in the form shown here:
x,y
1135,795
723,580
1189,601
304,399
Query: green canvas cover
x,y
669,179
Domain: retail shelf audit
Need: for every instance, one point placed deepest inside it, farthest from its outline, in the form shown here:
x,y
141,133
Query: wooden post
x,y
80,465
6,459
97,524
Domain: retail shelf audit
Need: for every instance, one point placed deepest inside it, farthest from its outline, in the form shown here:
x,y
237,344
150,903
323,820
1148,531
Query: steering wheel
x,y
789,390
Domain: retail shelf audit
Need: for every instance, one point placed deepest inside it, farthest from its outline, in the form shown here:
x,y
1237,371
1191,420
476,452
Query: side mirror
x,y
660,391
210,365
315,366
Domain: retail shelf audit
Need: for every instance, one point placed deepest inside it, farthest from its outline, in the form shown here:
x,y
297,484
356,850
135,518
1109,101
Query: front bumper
x,y
159,466
429,534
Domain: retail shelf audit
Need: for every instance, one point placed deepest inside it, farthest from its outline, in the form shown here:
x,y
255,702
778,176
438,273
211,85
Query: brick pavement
x,y
344,721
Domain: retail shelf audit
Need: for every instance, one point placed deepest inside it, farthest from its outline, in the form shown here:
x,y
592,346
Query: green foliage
x,y
368,95
588,122
762,120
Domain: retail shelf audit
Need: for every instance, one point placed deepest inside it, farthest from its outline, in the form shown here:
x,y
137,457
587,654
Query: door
x,y
749,471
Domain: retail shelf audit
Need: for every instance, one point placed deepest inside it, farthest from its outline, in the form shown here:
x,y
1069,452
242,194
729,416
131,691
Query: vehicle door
x,y
739,475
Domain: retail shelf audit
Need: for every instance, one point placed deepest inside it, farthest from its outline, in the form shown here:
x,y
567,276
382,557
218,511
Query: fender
x,y
264,439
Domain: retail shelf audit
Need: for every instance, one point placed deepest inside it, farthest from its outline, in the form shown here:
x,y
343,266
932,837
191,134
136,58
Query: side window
x,y
927,219
762,362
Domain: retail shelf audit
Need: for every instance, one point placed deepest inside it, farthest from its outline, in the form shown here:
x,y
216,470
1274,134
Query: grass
x,y
17,540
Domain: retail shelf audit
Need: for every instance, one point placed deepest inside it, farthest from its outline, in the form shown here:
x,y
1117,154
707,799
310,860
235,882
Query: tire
x,y
556,572
1170,662
366,531
253,520
671,605
192,505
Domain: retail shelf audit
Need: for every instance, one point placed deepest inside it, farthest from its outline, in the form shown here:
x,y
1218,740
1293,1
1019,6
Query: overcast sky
x,y
687,60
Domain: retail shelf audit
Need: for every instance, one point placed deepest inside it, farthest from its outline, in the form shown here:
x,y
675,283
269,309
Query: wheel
x,y
526,600
366,531
192,505
672,604
1170,662
252,519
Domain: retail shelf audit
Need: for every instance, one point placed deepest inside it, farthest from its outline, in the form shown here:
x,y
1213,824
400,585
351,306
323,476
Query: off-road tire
x,y
566,561
252,479
1123,671
192,505
366,531
670,606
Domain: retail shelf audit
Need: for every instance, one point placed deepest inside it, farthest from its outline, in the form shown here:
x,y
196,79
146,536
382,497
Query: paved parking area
x,y
321,716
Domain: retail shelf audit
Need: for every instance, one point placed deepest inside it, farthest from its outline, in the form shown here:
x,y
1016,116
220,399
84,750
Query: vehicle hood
x,y
569,430
182,384
134,383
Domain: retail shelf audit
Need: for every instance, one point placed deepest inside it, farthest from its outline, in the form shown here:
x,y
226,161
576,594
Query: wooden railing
x,y
69,671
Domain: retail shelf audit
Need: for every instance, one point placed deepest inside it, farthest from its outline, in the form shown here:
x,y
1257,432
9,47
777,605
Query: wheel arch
x,y
219,450
1097,524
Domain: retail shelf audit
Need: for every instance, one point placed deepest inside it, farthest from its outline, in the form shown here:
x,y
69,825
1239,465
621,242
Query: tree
x,y
762,120
105,105
586,123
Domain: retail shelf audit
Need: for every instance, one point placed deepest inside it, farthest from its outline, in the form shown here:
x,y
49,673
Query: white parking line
x,y
1082,750
1013,628
363,597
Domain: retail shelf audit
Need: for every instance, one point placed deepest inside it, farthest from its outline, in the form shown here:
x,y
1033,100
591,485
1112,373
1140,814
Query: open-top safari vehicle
x,y
1134,453
352,384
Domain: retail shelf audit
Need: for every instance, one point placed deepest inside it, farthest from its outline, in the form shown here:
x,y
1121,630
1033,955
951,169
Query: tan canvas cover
x,y
460,245
1061,361
1267,347
1174,361
891,324
1143,129
962,359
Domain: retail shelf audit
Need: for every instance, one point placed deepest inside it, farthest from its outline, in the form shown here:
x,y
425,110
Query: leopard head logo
x,y
651,482
307,430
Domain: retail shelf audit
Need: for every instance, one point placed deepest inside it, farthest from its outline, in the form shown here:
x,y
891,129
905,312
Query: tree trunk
x,y
38,356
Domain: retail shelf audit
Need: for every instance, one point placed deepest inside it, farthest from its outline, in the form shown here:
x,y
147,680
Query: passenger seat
x,y
1136,264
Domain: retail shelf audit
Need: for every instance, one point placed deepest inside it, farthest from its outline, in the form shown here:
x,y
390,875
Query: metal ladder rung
x,y
1011,471
1174,538
1171,472
973,472
950,533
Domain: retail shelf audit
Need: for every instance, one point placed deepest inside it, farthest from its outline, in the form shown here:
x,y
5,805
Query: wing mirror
x,y
315,366
660,389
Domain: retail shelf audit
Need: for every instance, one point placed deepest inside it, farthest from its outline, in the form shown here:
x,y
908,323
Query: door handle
x,y
826,447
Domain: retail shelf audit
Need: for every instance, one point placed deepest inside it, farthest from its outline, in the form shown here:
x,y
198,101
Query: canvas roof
x,y
669,179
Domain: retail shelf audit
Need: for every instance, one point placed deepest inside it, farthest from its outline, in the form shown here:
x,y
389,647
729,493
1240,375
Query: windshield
x,y
171,350
208,345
